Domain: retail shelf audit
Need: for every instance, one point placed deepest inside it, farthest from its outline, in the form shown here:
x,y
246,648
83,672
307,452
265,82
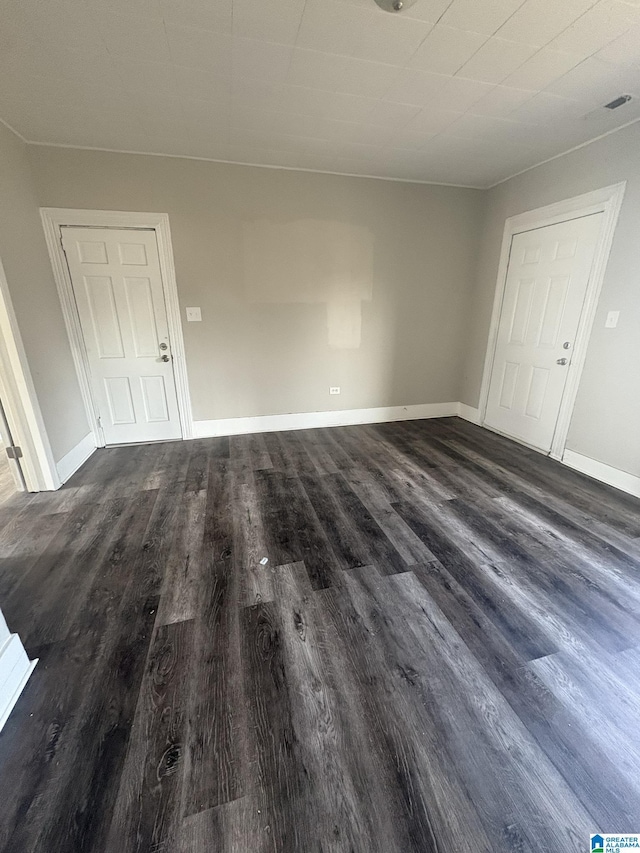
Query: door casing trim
x,y
53,219
607,201
21,406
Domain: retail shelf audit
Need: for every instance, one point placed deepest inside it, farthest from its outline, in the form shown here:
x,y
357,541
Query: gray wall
x,y
35,300
606,420
304,280
375,293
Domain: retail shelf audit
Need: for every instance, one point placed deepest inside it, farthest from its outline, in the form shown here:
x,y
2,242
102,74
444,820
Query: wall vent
x,y
618,102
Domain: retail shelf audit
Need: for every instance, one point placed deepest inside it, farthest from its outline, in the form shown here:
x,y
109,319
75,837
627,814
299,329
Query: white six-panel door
x,y
546,285
117,286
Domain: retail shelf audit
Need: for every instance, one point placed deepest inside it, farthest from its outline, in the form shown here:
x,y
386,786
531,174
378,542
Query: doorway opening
x,y
31,466
116,281
550,276
11,476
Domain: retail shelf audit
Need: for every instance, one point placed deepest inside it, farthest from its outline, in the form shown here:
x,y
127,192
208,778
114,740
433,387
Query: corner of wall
x,y
15,669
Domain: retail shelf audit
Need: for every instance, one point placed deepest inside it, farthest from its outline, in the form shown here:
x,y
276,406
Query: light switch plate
x,y
612,319
194,315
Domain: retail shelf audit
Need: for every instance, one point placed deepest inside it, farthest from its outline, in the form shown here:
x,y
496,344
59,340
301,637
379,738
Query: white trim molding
x,y
14,659
314,420
53,219
607,201
469,413
76,457
20,401
622,480
15,669
246,163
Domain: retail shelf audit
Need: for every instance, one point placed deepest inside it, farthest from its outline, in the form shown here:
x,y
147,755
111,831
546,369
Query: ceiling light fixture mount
x,y
395,5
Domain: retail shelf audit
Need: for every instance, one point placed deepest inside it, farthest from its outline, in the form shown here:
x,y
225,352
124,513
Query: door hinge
x,y
14,452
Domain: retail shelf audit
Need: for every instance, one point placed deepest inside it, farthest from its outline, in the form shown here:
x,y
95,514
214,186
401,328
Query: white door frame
x,y
53,219
7,439
607,201
20,401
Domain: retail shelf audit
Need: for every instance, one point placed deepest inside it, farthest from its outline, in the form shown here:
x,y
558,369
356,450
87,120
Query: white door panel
x,y
118,395
546,285
118,291
154,396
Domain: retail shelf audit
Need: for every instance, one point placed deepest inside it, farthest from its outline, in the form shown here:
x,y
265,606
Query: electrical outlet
x,y
612,319
194,315
334,389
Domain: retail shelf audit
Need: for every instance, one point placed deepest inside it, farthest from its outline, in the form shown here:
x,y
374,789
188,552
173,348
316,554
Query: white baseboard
x,y
15,669
468,413
605,473
313,420
76,457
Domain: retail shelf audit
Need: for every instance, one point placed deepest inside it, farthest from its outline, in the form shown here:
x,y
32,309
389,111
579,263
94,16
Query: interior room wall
x,y
606,420
305,280
308,281
35,300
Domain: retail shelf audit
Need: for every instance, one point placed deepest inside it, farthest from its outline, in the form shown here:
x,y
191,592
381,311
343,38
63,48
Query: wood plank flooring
x,y
442,653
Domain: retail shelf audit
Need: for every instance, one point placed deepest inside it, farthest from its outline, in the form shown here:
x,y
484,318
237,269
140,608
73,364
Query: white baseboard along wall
x,y
350,417
605,473
314,420
629,483
15,669
75,458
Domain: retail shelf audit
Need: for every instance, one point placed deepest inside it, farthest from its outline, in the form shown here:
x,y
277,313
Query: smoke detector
x,y
395,5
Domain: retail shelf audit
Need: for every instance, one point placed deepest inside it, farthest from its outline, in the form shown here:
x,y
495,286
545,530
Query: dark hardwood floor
x,y
442,653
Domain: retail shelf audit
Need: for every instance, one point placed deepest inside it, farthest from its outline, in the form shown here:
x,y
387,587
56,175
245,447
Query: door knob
x,y
166,358
561,361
